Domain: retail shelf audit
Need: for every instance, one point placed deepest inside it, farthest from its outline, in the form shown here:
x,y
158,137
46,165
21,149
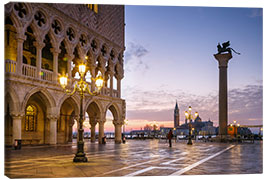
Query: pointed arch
x,y
45,96
115,111
72,99
94,108
12,98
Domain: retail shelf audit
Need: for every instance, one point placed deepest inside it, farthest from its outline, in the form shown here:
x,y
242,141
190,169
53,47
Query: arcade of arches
x,y
41,43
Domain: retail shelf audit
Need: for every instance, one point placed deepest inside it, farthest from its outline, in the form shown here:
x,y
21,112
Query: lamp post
x,y
125,123
189,117
154,126
81,87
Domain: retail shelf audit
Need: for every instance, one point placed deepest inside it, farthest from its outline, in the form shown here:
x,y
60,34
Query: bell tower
x,y
176,115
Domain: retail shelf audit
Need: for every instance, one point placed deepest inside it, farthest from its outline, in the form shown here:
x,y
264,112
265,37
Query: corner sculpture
x,y
225,48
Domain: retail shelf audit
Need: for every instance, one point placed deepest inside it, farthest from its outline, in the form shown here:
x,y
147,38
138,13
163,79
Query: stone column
x,y
55,63
39,46
119,87
93,129
70,57
70,135
53,130
17,127
93,75
118,131
223,60
20,39
100,131
111,83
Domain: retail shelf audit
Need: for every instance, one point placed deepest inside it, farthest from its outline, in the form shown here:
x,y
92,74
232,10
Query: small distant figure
x,y
123,138
104,140
169,136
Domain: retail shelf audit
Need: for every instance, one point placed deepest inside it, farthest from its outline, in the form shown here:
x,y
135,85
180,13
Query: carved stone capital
x,y
55,50
70,57
20,37
116,123
223,59
52,117
39,45
101,121
16,116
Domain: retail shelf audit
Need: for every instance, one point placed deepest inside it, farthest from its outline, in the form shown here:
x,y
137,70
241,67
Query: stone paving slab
x,y
135,158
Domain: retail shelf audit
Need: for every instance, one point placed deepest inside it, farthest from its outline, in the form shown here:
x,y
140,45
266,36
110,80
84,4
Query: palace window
x,y
31,118
93,7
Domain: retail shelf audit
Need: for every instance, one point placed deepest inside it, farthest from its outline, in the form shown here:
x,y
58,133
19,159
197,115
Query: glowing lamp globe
x,y
63,81
186,114
82,69
99,82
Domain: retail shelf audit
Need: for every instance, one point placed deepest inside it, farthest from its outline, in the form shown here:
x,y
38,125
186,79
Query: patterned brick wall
x,y
108,22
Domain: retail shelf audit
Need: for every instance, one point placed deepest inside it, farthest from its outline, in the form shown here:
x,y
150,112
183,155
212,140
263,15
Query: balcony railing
x,y
115,93
29,71
106,91
46,75
10,66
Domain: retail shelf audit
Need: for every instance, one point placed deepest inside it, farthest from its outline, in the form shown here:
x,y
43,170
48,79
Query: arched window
x,y
31,118
24,60
28,44
33,61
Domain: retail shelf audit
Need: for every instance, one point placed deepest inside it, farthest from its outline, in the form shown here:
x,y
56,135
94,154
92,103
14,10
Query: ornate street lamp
x,y
189,117
125,123
81,87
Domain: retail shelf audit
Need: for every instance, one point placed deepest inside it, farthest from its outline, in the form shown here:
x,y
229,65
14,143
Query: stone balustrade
x,y
29,71
10,66
46,75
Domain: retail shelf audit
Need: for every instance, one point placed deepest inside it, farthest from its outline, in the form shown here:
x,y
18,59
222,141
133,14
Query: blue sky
x,y
169,57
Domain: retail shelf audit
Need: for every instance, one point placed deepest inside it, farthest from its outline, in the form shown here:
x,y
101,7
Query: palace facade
x,y
44,41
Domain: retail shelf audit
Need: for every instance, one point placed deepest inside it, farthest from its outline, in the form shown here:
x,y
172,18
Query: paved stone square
x,y
135,158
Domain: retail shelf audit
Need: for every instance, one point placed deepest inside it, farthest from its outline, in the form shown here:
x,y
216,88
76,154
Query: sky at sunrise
x,y
169,57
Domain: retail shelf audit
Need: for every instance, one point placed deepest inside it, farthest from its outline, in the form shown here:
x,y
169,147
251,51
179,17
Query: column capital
x,y
223,59
119,76
116,122
16,115
101,121
52,117
93,121
20,37
70,57
39,45
55,50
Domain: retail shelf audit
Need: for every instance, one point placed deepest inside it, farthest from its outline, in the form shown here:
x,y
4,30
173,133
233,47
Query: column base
x,y
80,157
223,138
118,141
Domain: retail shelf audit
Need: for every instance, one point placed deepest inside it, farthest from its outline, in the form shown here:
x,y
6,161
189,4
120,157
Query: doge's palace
x,y
45,41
